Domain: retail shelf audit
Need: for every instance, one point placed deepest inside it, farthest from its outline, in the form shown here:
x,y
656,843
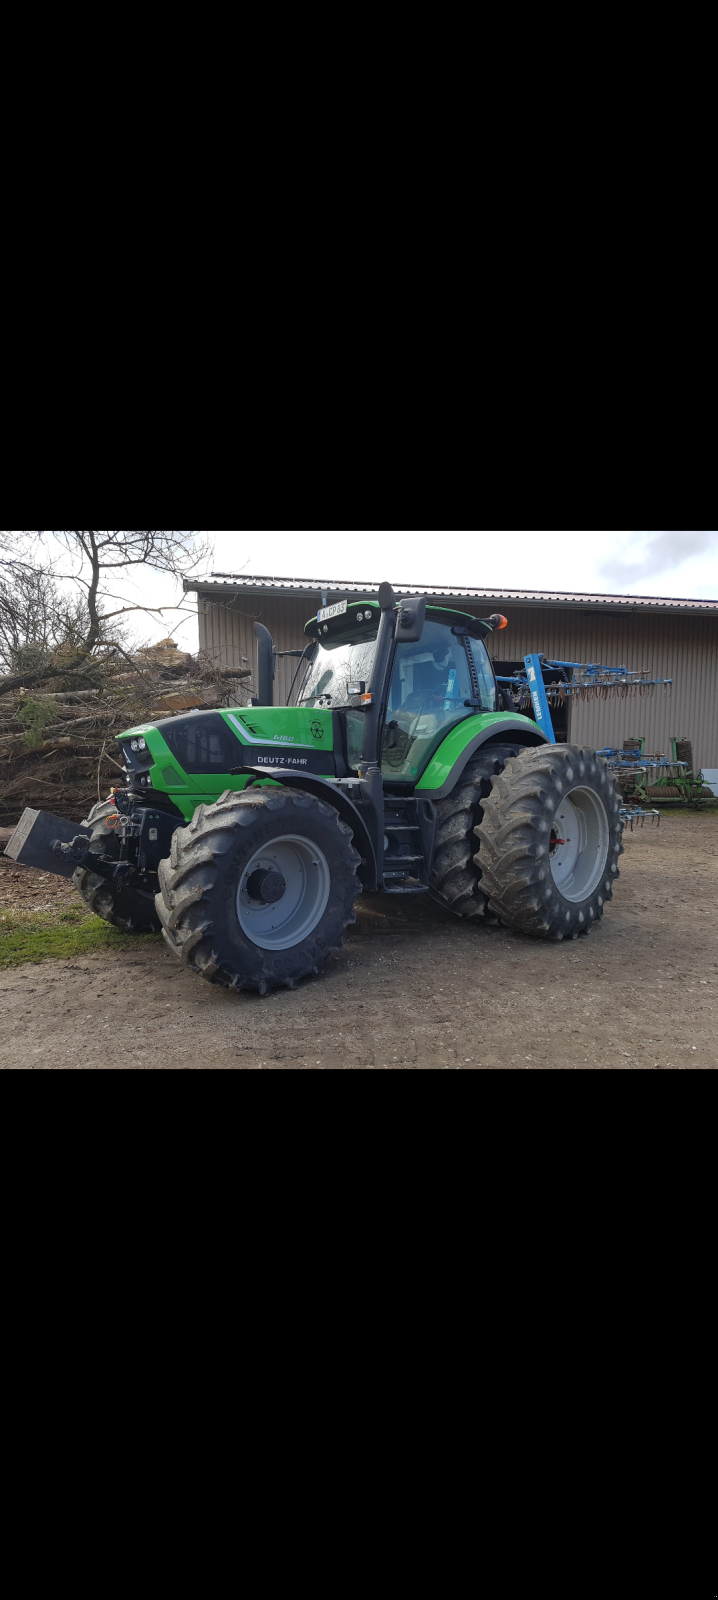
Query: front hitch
x,y
77,851
74,850
52,844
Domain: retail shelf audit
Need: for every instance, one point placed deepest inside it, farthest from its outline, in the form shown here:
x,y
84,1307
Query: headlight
x,y
138,744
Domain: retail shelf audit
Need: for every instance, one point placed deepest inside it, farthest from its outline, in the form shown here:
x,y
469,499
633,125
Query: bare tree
x,y
90,559
36,619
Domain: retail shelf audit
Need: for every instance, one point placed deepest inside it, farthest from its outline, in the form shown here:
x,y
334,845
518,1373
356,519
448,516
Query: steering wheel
x,y
427,701
415,703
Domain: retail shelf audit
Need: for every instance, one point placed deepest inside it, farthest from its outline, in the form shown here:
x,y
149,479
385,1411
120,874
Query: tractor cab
x,y
435,673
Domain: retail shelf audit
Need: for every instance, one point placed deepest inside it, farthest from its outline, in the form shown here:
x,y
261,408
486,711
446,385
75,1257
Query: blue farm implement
x,y
544,684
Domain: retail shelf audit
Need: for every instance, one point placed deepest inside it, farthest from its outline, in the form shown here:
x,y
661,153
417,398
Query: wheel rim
x,y
276,917
579,844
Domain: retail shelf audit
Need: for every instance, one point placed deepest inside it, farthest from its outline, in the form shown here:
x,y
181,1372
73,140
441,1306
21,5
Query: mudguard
x,y
336,794
448,762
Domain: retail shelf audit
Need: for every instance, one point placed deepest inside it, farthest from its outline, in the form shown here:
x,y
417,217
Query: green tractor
x,y
247,834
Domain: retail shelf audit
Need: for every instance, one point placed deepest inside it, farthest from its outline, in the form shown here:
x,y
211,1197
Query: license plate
x,y
332,611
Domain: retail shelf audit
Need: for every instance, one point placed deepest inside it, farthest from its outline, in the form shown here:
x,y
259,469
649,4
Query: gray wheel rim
x,y
579,844
287,921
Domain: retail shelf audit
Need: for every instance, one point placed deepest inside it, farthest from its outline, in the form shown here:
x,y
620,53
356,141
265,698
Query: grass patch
x,y
41,935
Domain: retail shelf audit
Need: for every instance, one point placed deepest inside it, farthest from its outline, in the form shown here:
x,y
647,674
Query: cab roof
x,y
360,617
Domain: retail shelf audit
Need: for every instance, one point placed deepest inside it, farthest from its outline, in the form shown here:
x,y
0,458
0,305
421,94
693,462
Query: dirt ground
x,y
412,988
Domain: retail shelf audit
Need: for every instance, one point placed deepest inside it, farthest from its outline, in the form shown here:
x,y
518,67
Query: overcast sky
x,y
680,564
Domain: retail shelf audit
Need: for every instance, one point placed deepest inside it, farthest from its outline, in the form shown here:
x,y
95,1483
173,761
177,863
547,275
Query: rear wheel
x,y
550,839
455,875
259,888
123,905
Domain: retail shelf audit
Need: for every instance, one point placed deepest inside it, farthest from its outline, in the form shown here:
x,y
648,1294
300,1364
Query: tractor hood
x,y
205,748
284,728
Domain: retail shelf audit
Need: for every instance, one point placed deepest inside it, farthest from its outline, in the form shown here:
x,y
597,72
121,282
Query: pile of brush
x,y
57,740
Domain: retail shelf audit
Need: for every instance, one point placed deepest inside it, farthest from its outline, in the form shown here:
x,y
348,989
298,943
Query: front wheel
x,y
124,905
259,888
550,840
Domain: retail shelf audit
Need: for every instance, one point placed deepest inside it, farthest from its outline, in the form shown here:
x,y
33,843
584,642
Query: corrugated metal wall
x,y
226,633
683,648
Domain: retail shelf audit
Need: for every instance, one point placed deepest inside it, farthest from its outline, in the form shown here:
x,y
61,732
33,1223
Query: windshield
x,y
331,671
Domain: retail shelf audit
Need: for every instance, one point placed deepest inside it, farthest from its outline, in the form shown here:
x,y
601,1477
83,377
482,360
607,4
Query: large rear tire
x,y
259,888
550,840
125,906
455,881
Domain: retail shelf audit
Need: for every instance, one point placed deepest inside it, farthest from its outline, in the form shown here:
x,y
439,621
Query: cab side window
x,y
429,685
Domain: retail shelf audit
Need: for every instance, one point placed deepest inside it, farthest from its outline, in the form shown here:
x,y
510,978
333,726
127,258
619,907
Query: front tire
x,y
259,888
550,840
124,905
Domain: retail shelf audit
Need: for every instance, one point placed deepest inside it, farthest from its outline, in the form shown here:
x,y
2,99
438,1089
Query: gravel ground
x,y
412,987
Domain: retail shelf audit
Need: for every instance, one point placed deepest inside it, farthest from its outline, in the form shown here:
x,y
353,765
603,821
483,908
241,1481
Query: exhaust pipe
x,y
265,665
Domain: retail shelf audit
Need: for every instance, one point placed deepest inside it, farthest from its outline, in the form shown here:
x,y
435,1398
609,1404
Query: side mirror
x,y
410,620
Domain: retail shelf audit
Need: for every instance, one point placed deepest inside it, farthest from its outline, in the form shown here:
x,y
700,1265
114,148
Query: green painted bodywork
x,y
292,728
282,725
444,759
295,727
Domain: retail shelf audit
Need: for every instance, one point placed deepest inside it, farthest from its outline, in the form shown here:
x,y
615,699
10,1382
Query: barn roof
x,y
224,584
